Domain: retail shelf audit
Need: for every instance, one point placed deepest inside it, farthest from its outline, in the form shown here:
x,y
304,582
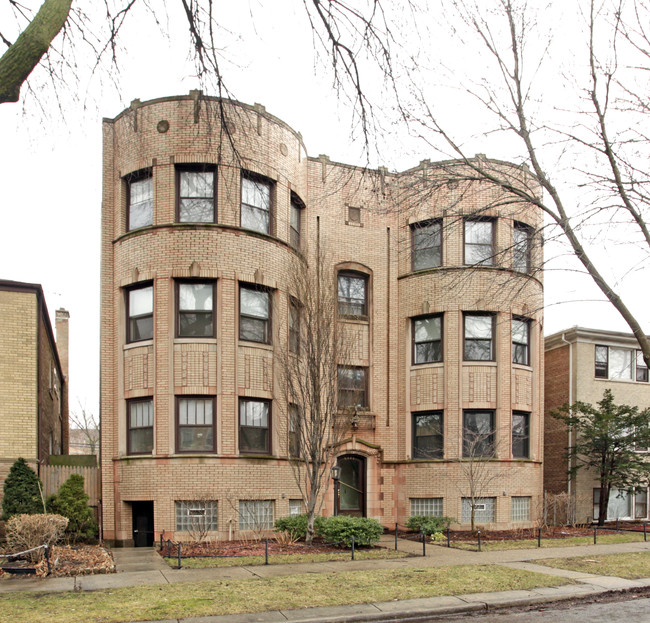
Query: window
x,y
139,199
256,514
254,314
427,507
353,300
297,206
520,508
195,425
479,340
256,204
427,339
353,388
522,236
354,215
139,414
520,435
478,434
295,508
426,241
294,430
195,194
195,304
623,504
521,341
254,426
479,242
294,326
196,516
427,435
484,510
139,302
620,364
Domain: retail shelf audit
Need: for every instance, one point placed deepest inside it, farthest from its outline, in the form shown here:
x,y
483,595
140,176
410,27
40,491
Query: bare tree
x,y
83,419
309,367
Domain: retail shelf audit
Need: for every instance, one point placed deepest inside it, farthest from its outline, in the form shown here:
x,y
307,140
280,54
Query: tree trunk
x,y
603,501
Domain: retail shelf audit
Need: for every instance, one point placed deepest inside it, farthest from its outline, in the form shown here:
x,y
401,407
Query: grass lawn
x,y
280,559
491,546
198,599
629,566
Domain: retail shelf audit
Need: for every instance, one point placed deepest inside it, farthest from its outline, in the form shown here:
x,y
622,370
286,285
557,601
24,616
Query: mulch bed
x,y
246,548
67,561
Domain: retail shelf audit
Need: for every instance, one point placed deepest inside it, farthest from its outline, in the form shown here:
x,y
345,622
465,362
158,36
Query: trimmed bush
x,y
72,502
429,525
28,531
342,528
296,526
22,491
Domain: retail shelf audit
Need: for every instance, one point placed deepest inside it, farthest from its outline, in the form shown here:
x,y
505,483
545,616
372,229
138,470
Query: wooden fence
x,y
53,476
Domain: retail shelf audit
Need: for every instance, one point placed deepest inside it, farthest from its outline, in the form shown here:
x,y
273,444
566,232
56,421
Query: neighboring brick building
x,y
438,283
580,364
33,378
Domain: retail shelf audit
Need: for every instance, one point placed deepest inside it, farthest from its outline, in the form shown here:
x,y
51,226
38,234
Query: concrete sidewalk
x,y
139,566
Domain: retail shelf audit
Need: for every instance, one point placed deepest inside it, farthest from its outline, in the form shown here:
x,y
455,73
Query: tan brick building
x,y
205,203
33,378
580,364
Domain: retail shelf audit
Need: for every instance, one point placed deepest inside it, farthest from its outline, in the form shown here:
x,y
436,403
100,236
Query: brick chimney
x,y
63,338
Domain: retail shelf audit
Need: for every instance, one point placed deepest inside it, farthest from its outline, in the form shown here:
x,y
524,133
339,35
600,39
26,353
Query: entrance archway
x,y
352,486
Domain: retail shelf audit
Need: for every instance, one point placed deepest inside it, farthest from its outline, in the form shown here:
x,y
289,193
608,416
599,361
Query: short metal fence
x,y
16,555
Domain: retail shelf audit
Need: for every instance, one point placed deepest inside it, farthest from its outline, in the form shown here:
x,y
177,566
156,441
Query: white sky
x,y
51,164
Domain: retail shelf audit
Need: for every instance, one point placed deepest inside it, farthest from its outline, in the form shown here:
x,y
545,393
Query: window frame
x,y
296,206
492,339
490,438
436,504
643,368
269,407
517,439
363,391
179,312
195,168
245,525
527,230
270,184
603,368
179,426
415,249
491,260
267,321
294,430
210,510
295,325
352,274
516,508
134,178
415,343
527,322
130,402
129,329
486,501
421,453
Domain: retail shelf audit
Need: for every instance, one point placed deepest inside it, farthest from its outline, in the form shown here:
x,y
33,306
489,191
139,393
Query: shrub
x,y
28,531
342,528
296,525
429,525
72,502
22,491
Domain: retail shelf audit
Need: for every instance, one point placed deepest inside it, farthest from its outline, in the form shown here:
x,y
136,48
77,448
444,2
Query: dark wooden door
x,y
142,523
352,486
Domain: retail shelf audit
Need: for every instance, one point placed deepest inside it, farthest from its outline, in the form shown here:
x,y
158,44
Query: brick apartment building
x,y
580,364
438,282
33,378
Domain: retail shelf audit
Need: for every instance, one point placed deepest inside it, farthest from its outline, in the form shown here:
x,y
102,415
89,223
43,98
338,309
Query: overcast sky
x,y
50,162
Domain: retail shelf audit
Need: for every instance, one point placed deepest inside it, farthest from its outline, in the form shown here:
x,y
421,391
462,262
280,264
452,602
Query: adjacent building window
x,y
427,507
623,504
256,204
478,434
196,516
195,194
520,508
522,236
139,415
195,424
620,364
353,294
484,510
521,341
294,430
520,435
426,242
479,242
353,387
195,304
479,337
254,426
139,199
256,515
295,221
294,326
254,314
139,302
427,435
427,339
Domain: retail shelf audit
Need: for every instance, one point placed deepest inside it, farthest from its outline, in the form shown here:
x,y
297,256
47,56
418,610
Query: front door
x,y
352,486
142,523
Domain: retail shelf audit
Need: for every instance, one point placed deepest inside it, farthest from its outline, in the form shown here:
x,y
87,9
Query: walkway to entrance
x,y
130,559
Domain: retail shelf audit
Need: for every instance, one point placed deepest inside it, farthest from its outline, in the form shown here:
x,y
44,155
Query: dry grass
x,y
629,566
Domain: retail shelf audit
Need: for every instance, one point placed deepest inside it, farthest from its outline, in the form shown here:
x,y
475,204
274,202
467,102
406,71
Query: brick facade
x,y
363,219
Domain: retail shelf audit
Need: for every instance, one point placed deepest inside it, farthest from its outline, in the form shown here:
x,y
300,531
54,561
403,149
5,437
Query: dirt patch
x,y
66,561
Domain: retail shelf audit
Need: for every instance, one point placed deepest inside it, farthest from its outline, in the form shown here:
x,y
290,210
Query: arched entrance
x,y
352,486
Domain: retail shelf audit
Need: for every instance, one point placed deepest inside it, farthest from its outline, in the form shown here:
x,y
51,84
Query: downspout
x,y
570,402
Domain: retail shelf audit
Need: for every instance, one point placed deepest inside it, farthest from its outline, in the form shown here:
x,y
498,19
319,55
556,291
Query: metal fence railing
x,y
15,555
